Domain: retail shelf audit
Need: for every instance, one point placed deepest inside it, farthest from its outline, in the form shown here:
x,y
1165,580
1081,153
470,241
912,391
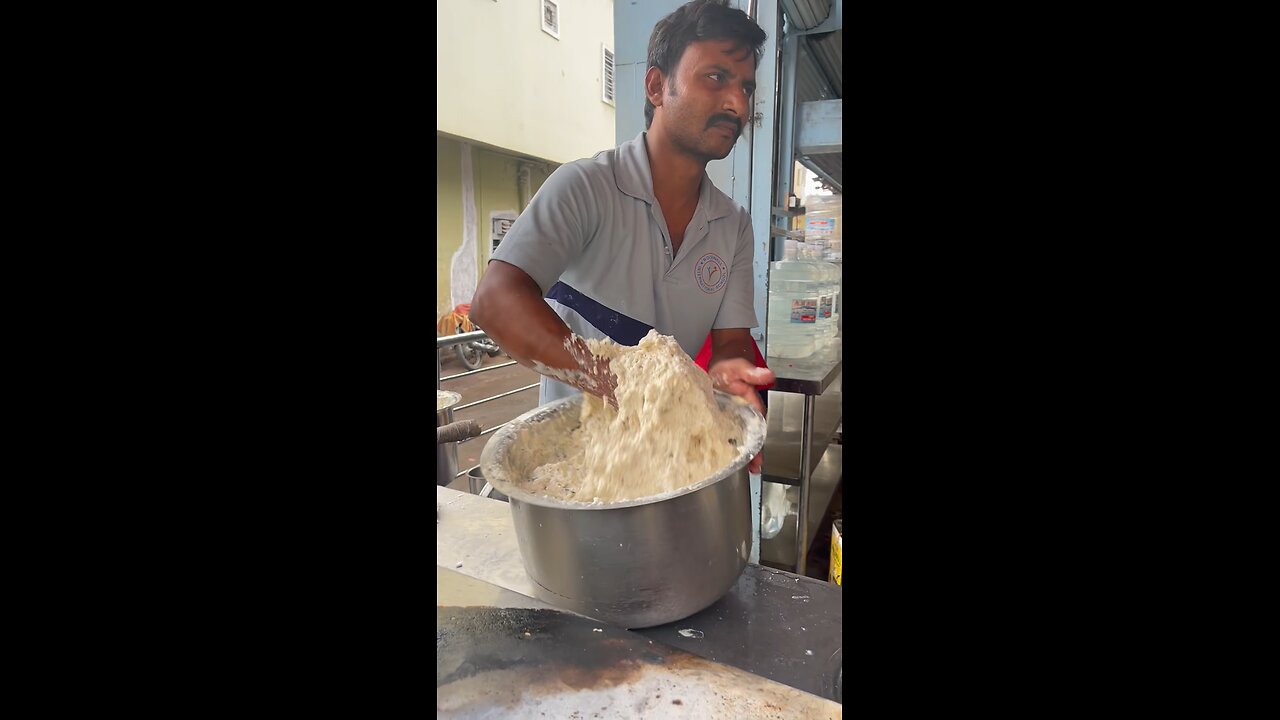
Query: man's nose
x,y
736,104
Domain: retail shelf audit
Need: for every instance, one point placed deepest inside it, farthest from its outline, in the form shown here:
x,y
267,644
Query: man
x,y
638,237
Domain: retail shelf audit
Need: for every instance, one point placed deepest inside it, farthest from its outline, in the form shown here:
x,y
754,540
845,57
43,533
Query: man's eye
x,y
716,76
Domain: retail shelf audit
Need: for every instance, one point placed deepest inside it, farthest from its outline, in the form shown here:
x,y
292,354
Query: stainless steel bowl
x,y
636,563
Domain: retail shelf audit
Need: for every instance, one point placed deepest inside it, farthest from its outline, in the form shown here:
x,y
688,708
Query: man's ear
x,y
653,85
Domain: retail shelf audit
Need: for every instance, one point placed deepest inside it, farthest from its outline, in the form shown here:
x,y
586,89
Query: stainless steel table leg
x,y
806,451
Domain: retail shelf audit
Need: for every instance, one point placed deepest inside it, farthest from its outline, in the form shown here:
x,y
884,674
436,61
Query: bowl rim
x,y
496,477
454,398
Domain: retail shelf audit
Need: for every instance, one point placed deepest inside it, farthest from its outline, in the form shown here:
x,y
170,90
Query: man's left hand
x,y
737,376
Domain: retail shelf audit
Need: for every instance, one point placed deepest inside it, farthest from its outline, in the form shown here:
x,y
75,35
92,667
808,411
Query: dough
x,y
667,432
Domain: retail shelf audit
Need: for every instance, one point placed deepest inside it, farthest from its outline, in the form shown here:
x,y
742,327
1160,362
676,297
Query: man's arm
x,y
733,370
732,366
508,305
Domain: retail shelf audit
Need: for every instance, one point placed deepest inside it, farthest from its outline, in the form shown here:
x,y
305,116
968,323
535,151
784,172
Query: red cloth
x,y
703,358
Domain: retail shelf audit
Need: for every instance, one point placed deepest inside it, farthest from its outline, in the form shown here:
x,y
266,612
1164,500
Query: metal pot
x,y
447,453
476,485
636,563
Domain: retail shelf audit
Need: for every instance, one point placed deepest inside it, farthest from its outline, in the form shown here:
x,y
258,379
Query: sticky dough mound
x,y
667,432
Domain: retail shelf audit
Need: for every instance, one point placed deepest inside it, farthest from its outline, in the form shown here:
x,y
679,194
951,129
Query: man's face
x,y
707,99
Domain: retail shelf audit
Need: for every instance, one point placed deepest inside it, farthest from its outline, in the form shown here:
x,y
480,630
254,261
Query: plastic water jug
x,y
828,316
824,217
795,292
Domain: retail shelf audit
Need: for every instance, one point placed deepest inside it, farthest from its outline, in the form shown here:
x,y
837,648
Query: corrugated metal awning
x,y
826,49
807,14
819,74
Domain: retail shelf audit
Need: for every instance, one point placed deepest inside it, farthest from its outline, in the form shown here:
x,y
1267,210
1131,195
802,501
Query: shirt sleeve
x,y
552,230
738,308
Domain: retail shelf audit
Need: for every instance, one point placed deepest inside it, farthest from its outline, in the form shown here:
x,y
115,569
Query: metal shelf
x,y
781,548
784,438
808,376
789,234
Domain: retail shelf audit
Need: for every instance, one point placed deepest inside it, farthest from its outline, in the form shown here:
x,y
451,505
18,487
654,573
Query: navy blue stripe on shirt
x,y
618,327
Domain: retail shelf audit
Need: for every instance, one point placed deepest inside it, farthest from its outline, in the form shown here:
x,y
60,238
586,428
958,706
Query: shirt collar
x,y
635,178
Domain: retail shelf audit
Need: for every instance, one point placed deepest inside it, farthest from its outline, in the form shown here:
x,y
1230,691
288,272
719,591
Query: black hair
x,y
694,21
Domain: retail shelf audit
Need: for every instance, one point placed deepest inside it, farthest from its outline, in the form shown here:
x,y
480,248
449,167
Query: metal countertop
x,y
502,655
772,623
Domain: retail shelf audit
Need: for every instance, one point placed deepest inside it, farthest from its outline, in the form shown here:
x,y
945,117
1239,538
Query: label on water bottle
x,y
804,311
820,227
825,306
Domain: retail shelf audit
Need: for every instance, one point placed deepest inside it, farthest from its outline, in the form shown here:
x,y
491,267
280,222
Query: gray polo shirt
x,y
596,242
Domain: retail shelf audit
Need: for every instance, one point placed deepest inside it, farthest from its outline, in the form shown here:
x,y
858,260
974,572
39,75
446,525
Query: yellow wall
x,y
495,177
495,190
448,216
502,81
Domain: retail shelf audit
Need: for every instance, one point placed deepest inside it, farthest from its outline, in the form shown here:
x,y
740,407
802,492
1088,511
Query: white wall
x,y
502,81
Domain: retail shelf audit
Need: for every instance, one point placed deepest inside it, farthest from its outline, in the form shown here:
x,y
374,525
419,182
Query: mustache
x,y
728,119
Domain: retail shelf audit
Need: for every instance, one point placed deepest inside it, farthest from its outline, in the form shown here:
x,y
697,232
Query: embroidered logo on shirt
x,y
711,272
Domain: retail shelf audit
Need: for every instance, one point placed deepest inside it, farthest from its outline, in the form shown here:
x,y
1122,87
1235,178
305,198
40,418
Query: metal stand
x,y
803,459
806,476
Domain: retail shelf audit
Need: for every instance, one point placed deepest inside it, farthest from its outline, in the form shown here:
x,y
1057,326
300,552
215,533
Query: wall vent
x,y
551,18
608,85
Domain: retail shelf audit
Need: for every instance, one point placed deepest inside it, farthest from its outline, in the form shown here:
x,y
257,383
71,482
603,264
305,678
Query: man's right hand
x,y
596,377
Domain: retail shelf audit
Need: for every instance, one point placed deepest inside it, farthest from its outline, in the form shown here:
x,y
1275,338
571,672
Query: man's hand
x,y
737,376
596,377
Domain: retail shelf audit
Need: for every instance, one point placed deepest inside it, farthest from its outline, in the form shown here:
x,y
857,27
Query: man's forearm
x,y
514,314
732,346
508,305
